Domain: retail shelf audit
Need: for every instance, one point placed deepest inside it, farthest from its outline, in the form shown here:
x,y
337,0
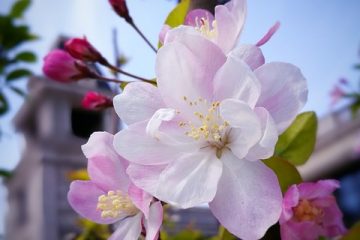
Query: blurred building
x,y
54,126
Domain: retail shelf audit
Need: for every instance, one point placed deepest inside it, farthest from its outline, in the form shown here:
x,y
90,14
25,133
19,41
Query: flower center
x,y
206,28
209,125
115,203
306,211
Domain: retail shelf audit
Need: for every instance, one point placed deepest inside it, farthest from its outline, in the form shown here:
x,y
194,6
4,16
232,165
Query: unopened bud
x,y
81,49
121,9
96,101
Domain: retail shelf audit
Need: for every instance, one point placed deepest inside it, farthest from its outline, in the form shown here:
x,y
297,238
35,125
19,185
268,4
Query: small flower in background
x,y
109,196
121,9
81,49
96,101
337,93
310,211
62,67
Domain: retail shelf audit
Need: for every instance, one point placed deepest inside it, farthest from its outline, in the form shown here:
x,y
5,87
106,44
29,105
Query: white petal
x,y
128,229
248,200
283,92
190,180
137,102
250,54
153,224
236,80
163,114
266,146
246,126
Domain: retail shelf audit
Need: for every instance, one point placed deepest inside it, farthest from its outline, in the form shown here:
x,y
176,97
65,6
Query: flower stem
x,y
99,77
142,35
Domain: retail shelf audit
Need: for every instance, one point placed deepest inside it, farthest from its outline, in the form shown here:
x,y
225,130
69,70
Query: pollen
x,y
206,28
115,204
306,211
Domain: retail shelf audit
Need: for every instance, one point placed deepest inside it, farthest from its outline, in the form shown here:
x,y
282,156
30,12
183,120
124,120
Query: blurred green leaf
x,y
17,74
18,91
298,141
353,233
5,173
93,231
26,56
19,8
187,234
4,105
355,107
177,16
223,234
286,172
357,66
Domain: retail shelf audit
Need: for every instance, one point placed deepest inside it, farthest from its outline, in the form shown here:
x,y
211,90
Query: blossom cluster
x,y
198,136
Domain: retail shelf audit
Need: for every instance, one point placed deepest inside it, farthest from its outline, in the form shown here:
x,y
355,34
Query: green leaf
x,y
19,8
354,107
223,234
5,173
298,141
177,16
353,233
286,172
18,73
26,56
18,91
4,105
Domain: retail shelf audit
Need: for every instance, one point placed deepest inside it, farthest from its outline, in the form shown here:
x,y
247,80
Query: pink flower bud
x,y
61,67
81,49
96,101
121,9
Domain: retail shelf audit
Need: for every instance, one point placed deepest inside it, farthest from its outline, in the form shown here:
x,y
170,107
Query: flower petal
x,y
137,147
268,35
83,198
162,114
246,126
250,54
137,102
283,92
291,200
195,15
236,80
128,228
154,222
230,19
145,177
190,180
266,146
321,188
140,199
186,68
248,200
105,167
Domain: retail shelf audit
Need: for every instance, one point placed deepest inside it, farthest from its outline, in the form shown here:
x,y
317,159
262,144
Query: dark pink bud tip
x,y
96,101
121,9
81,49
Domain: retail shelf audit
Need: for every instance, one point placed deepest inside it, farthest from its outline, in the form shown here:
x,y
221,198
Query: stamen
x,y
114,204
306,211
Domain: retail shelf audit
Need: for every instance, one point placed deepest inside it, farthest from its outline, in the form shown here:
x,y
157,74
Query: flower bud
x,y
121,9
96,101
81,49
62,67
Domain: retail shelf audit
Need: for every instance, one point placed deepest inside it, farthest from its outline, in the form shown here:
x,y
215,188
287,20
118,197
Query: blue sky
x,y
322,37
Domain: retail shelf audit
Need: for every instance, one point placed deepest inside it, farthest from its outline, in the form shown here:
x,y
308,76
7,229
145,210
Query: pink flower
x,y
198,136
337,93
110,197
61,67
310,211
95,100
121,9
81,49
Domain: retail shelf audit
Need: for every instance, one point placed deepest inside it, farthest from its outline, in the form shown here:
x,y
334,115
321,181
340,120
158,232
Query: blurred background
x,y
321,37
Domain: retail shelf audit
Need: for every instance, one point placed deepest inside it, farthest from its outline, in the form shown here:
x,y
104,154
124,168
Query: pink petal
x,y
300,231
145,177
186,67
269,34
248,200
236,80
154,222
140,199
137,147
230,19
283,92
162,114
83,198
193,17
322,188
105,167
246,126
265,147
291,200
250,54
191,180
128,228
137,102
164,30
